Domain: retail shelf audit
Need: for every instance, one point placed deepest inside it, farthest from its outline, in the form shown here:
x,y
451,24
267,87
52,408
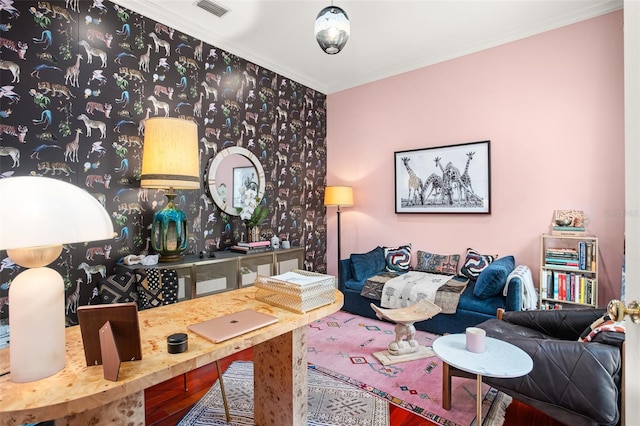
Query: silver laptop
x,y
232,325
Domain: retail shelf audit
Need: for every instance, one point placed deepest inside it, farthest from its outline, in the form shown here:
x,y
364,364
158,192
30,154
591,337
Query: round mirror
x,y
229,171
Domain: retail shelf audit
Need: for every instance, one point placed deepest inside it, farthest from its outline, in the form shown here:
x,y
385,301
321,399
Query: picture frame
x,y
243,177
444,179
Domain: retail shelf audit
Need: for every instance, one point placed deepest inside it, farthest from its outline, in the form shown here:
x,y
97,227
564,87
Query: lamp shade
x,y
170,154
338,196
332,29
40,211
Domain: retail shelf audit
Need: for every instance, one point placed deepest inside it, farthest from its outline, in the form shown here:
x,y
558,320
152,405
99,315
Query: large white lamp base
x,y
36,316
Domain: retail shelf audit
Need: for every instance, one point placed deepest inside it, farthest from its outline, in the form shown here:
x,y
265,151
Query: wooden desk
x,y
81,396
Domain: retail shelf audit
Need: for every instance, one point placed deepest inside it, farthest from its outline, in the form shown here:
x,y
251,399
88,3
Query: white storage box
x,y
297,290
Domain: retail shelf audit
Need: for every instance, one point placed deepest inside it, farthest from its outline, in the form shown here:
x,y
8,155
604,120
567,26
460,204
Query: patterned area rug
x,y
331,402
341,346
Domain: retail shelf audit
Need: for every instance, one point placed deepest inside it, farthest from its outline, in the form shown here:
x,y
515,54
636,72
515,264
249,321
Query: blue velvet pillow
x,y
492,279
365,265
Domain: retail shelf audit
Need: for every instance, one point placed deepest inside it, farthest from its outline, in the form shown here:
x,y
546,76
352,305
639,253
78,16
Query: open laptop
x,y
232,325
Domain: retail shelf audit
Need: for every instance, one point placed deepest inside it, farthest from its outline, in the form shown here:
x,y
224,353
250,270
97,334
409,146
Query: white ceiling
x,y
387,37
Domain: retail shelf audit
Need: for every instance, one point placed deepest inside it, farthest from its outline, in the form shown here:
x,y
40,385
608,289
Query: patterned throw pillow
x,y
475,263
398,259
437,263
604,323
120,288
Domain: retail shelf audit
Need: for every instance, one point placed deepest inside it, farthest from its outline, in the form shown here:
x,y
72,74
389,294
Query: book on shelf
x,y
254,244
568,231
251,250
567,286
589,258
563,255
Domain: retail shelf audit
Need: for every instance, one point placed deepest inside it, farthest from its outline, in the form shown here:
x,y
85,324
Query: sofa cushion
x,y
398,259
492,279
475,262
365,265
437,263
470,303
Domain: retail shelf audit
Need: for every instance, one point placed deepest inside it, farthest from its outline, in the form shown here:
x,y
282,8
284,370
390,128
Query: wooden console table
x,y
227,270
79,395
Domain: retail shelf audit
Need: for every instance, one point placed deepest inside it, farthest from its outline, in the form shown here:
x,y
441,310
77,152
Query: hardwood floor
x,y
166,403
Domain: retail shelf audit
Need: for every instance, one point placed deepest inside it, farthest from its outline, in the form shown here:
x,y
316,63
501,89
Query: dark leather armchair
x,y
574,382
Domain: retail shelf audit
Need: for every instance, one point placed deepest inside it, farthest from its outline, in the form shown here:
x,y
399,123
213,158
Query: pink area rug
x,y
341,345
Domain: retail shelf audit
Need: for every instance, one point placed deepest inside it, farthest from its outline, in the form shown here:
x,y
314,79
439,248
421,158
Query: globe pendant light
x,y
332,29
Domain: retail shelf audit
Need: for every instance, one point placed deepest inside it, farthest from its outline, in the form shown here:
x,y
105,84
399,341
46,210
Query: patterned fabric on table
x,y
120,288
372,288
160,287
448,295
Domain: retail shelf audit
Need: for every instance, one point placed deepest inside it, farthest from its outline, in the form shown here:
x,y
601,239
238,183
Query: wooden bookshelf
x,y
568,271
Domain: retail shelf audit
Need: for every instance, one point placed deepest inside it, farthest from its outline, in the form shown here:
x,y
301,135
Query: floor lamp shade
x,y
341,196
170,161
338,196
41,214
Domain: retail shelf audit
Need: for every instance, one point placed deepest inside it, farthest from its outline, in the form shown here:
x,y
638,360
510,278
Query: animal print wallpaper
x,y
78,79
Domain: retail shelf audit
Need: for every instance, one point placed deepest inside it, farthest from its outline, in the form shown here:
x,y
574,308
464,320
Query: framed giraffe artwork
x,y
444,179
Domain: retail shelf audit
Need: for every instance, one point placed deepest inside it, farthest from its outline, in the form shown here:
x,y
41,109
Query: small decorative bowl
x,y
563,222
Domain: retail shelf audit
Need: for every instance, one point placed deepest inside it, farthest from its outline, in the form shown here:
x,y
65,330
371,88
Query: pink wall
x,y
552,106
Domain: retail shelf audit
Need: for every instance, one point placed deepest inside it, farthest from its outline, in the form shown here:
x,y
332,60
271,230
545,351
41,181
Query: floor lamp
x,y
340,196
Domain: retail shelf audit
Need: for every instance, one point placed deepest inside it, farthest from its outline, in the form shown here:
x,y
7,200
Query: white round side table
x,y
500,359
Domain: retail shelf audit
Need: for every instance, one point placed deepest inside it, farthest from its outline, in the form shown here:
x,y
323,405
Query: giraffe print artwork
x,y
447,179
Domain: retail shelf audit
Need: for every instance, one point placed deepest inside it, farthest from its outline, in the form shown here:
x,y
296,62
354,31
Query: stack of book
x,y
252,247
569,231
562,257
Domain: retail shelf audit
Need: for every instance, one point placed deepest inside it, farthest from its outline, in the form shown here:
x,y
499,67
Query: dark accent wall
x,y
79,78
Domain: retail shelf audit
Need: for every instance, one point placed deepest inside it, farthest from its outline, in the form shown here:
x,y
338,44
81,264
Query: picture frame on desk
x,y
444,179
124,326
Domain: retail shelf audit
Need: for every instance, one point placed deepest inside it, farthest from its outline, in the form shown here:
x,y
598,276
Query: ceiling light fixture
x,y
332,29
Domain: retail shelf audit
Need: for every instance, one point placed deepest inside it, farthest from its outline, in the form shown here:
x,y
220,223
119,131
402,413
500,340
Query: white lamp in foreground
x,y
38,216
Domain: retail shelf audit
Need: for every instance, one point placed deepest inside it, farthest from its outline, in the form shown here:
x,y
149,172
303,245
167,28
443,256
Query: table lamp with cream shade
x,y
340,196
170,161
38,216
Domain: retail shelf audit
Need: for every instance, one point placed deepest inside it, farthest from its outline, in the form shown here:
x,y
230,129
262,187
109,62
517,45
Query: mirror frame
x,y
210,176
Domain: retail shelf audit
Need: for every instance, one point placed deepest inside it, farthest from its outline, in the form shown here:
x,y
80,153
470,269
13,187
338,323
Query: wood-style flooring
x,y
166,403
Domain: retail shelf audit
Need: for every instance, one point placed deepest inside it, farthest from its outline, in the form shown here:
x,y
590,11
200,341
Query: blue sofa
x,y
471,310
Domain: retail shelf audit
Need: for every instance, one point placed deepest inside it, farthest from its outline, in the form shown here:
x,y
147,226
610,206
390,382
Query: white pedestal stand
x,y
405,347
